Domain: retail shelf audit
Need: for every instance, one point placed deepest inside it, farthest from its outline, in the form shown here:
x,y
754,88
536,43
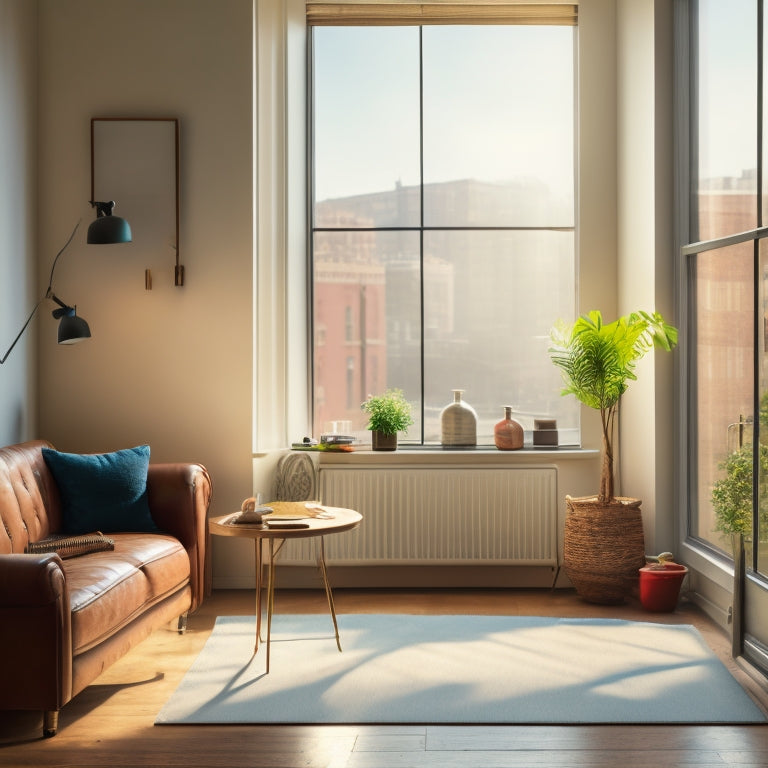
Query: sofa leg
x,y
182,625
50,722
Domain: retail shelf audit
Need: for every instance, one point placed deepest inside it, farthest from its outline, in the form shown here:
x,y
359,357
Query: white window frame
x,y
281,371
424,15
281,382
714,568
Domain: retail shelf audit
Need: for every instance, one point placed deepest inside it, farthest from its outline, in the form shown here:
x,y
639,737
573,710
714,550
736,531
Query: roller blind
x,y
407,12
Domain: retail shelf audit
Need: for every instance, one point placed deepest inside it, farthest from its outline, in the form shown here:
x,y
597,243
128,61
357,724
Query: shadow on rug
x,y
458,669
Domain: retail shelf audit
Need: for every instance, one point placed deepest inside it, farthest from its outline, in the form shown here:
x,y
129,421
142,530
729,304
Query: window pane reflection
x,y
724,397
498,117
764,191
726,191
489,303
366,123
762,550
367,323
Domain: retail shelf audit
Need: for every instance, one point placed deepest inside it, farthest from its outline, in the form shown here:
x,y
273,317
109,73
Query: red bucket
x,y
660,586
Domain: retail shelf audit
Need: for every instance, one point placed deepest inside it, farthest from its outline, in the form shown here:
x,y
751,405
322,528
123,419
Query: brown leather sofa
x,y
64,621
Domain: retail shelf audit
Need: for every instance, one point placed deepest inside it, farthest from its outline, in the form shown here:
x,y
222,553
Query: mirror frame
x,y
121,144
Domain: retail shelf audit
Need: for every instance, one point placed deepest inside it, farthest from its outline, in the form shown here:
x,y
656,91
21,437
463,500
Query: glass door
x,y
754,578
724,290
727,411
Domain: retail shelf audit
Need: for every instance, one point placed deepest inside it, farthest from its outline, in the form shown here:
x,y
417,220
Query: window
x,y
725,277
350,382
349,328
442,219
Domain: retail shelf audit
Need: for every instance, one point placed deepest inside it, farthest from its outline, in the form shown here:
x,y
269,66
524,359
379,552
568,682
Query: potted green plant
x,y
732,494
388,414
604,544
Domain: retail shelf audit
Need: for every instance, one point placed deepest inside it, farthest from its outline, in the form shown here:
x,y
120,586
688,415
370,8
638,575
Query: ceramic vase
x,y
508,434
458,422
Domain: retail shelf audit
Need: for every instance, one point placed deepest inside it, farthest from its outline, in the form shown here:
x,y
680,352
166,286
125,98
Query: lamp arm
x,y
64,248
49,294
23,328
53,297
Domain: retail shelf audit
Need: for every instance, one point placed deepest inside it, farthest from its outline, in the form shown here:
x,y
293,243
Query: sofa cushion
x,y
104,492
107,590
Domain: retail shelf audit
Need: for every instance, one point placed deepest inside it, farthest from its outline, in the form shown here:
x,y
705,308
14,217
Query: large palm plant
x,y
598,360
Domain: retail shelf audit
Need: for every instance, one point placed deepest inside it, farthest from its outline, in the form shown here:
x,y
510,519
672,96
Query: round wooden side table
x,y
280,528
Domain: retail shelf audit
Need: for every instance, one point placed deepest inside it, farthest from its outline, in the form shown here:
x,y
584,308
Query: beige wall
x,y
645,254
172,366
18,214
598,178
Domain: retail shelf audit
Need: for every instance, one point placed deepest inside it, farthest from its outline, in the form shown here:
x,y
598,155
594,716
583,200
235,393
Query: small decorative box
x,y
545,432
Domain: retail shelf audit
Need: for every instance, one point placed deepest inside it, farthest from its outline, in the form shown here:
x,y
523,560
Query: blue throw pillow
x,y
104,492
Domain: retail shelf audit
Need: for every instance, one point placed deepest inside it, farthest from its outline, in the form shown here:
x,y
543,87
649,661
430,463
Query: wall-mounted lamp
x,y
106,228
71,327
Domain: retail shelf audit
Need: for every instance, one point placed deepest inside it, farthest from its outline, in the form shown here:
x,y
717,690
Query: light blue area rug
x,y
458,669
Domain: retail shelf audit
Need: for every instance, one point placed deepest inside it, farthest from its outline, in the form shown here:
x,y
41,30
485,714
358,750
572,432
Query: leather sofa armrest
x,y
36,640
31,579
179,496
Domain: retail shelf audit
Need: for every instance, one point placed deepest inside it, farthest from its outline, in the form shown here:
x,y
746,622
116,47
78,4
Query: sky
x,y
497,102
367,102
727,87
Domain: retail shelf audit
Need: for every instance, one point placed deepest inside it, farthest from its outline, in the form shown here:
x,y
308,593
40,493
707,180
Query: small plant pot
x,y
382,442
660,586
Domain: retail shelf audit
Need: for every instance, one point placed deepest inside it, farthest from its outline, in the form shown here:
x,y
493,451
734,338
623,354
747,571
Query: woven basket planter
x,y
603,548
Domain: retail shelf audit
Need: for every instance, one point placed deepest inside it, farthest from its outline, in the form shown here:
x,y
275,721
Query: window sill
x,y
480,456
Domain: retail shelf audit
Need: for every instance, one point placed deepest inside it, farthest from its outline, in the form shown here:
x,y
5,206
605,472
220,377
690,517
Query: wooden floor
x,y
111,722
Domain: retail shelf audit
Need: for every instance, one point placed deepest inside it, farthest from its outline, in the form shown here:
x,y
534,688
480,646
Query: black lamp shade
x,y
106,230
73,329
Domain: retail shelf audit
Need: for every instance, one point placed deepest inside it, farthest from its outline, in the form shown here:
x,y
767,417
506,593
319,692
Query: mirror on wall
x,y
135,162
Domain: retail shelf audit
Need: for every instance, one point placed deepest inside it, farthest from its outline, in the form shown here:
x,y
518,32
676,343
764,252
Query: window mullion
x,y
421,226
760,43
758,319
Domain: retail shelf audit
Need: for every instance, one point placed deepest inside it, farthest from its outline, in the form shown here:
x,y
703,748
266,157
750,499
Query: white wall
x,y
645,254
170,366
18,215
598,191
174,366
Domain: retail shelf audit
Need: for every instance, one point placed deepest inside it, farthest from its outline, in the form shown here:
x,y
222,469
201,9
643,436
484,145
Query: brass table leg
x,y
328,592
259,560
270,596
271,591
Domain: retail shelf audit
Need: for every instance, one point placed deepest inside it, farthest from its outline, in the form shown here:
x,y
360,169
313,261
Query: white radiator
x,y
439,516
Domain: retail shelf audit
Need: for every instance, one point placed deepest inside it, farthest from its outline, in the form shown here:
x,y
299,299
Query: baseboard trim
x,y
403,577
